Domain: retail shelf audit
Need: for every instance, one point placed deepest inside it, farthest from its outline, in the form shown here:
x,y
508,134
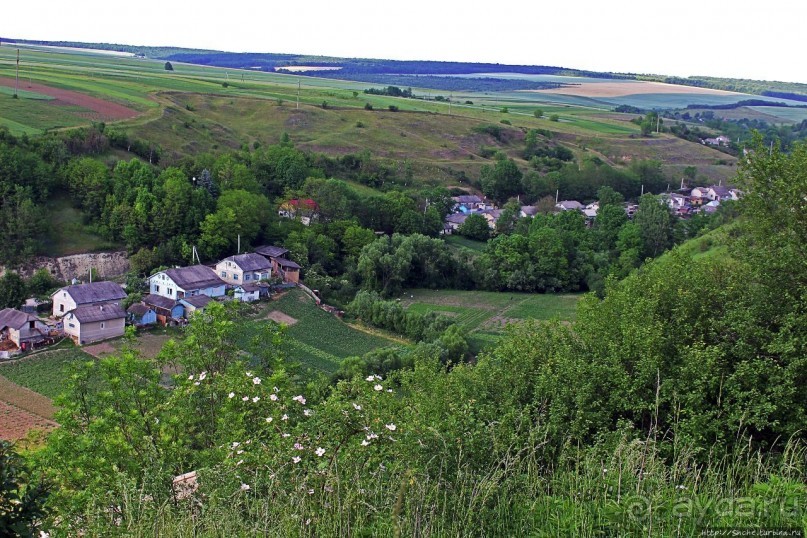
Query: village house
x,y
71,297
94,322
246,293
453,222
721,140
165,308
22,328
569,205
467,203
492,216
303,210
286,269
528,211
192,303
140,314
186,282
250,267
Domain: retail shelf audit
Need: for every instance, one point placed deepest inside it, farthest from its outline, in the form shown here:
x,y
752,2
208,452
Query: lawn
x,y
485,314
459,241
68,234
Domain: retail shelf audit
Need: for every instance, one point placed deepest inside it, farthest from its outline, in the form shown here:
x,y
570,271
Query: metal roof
x,y
249,262
94,292
194,277
89,313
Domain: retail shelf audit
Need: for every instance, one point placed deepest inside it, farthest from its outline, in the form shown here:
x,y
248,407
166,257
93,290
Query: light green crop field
x,y
317,339
484,314
45,372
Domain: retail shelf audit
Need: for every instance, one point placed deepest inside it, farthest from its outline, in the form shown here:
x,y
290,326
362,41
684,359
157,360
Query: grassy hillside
x,y
197,108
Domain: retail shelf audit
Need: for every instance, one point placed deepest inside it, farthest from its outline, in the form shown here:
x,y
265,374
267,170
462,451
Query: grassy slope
x,y
247,110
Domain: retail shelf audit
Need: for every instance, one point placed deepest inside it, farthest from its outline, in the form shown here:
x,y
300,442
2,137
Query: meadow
x,y
485,314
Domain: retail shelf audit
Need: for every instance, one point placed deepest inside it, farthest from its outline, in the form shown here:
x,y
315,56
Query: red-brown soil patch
x,y
15,423
26,399
104,110
100,350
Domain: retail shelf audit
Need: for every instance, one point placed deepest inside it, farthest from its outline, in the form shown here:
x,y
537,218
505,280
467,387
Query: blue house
x,y
140,314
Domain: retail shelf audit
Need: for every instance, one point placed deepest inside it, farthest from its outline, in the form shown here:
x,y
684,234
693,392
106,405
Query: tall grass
x,y
627,490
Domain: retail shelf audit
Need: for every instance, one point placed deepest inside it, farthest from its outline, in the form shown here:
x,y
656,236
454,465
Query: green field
x,y
68,234
318,339
45,372
485,314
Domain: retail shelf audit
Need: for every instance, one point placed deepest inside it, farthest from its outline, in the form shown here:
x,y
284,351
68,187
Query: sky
x,y
737,38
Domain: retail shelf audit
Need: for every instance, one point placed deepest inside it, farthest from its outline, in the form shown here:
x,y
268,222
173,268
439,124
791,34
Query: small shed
x,y
194,303
140,314
246,293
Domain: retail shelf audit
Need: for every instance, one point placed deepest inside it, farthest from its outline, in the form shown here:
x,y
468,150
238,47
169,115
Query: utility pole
x,y
298,94
17,84
239,243
658,122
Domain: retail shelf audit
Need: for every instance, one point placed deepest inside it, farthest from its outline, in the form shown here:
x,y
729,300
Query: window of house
x,y
224,274
170,291
235,277
102,325
71,325
247,276
61,308
156,288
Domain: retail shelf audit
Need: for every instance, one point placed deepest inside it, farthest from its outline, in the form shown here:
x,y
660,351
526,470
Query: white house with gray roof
x,y
94,322
244,268
186,282
21,327
70,297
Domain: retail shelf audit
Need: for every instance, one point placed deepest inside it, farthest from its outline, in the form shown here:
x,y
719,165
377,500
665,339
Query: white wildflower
x,y
256,380
296,459
299,398
236,444
231,395
307,412
378,387
365,442
249,374
190,378
273,397
320,451
255,399
240,452
298,446
391,427
202,376
378,377
196,383
310,491
284,417
245,398
269,419
369,378
357,407
245,487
